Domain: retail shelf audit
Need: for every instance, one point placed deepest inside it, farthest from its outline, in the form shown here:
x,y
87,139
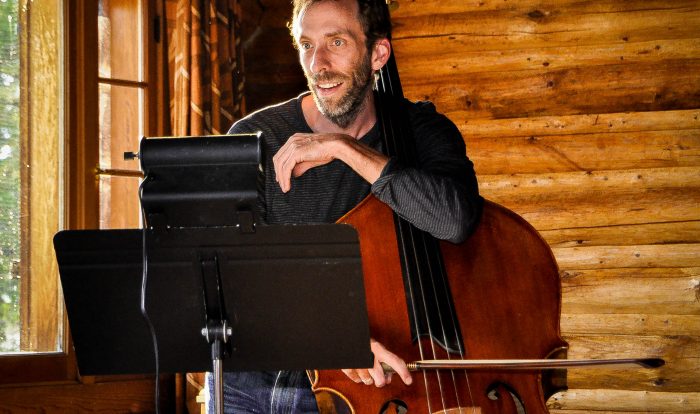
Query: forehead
x,y
328,17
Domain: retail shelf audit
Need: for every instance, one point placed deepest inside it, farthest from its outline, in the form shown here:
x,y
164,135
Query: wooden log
x,y
584,152
570,125
599,208
636,234
557,411
597,257
673,380
581,90
267,80
603,400
438,56
630,324
572,152
652,178
408,8
539,24
272,70
652,291
679,374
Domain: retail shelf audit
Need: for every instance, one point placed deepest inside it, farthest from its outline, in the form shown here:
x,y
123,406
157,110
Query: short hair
x,y
374,17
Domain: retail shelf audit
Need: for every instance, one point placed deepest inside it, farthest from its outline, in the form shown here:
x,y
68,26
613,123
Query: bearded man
x,y
324,155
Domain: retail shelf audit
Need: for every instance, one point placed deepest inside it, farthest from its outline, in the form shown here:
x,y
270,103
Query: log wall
x,y
584,118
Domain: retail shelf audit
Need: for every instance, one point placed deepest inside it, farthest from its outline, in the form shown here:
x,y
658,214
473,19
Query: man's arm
x,y
440,195
304,151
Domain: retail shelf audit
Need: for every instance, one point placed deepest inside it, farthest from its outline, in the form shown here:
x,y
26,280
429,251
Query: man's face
x,y
334,57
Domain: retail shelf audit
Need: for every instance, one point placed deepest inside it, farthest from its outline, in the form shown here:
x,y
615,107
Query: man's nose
x,y
319,60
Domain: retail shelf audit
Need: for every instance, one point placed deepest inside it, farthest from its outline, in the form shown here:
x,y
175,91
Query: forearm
x,y
439,205
365,161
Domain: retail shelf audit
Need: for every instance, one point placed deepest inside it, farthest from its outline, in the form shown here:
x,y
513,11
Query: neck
x,y
363,122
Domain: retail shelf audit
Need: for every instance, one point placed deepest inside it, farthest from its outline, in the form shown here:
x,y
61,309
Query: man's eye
x,y
305,46
337,42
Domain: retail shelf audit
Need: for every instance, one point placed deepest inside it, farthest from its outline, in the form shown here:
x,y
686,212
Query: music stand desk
x,y
294,297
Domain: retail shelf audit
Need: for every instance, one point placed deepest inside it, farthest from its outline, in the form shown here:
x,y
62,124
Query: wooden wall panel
x,y
272,71
497,25
584,118
115,395
576,124
585,89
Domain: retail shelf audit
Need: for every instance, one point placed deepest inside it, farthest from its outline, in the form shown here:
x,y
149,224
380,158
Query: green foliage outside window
x,y
9,176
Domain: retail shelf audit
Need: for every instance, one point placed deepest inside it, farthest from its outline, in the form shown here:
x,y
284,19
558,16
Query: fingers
x,y
376,375
286,159
364,376
300,153
359,376
381,354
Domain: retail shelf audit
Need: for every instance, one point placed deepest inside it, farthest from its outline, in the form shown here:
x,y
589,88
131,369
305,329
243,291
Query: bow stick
x,y
649,363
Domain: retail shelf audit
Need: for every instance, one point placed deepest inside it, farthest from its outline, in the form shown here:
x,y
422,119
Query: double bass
x,y
480,318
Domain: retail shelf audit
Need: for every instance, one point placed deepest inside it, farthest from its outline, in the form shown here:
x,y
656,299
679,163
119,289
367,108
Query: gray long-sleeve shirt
x,y
439,196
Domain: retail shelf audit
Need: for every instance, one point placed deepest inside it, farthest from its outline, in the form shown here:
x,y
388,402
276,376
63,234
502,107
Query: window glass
x,y
9,177
122,109
119,25
121,125
30,175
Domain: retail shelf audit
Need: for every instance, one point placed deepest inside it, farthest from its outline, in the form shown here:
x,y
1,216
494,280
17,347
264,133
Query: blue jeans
x,y
266,392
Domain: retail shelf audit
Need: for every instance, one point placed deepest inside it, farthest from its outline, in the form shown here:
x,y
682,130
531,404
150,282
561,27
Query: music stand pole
x,y
217,336
218,386
216,331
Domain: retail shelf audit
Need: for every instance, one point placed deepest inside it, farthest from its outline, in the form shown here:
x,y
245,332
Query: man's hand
x,y
376,375
304,151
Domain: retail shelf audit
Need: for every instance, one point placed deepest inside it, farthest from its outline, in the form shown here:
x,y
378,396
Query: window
x,y
67,116
126,90
9,178
31,130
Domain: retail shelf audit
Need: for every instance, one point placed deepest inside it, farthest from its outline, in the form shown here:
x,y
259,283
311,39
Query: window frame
x,y
80,166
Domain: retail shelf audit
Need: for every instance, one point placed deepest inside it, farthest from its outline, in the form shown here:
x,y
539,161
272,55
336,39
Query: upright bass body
x,y
506,297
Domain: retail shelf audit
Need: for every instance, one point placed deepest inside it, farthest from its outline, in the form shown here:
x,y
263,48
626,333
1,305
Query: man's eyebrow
x,y
335,33
342,32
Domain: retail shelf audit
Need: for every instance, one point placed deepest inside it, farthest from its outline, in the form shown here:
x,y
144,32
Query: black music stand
x,y
235,295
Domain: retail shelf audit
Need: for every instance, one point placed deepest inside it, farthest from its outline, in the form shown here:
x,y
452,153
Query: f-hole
x,y
394,407
494,394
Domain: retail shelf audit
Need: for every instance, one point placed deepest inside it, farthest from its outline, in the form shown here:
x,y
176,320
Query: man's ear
x,y
380,53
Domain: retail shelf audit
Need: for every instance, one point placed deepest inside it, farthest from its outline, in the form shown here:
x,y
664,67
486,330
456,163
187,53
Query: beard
x,y
345,109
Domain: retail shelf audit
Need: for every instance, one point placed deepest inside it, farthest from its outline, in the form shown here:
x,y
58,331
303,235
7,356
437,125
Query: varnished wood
x,y
631,291
441,57
624,235
134,396
593,400
574,125
498,25
541,154
631,324
609,88
271,64
474,268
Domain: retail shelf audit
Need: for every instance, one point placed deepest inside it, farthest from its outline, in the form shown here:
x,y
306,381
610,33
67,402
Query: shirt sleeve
x,y
439,195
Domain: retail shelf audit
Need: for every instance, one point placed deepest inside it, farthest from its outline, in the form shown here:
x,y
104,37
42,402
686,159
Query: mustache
x,y
326,77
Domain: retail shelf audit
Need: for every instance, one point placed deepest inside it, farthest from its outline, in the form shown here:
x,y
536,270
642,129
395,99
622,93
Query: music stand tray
x,y
294,296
